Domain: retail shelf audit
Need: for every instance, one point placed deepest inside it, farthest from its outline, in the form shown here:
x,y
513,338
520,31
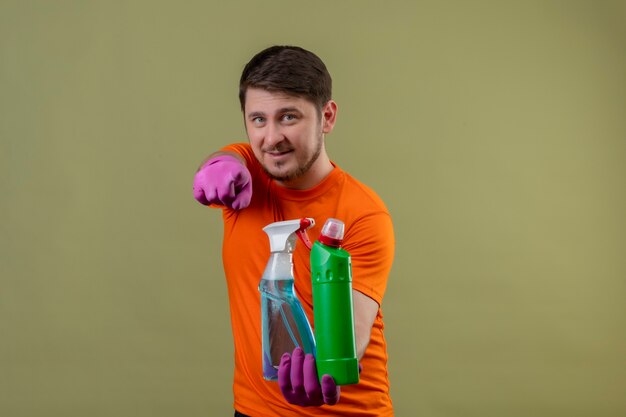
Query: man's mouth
x,y
278,153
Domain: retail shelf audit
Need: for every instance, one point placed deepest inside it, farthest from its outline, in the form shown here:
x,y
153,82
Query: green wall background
x,y
495,132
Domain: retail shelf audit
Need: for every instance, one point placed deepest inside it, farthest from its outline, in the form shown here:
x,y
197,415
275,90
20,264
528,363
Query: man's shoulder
x,y
362,194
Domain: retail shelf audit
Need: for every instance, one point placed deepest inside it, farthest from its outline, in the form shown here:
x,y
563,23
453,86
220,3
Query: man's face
x,y
286,134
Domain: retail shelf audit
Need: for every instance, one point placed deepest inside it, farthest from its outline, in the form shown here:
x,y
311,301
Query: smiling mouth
x,y
276,154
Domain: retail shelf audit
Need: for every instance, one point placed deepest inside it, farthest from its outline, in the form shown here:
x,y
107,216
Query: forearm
x,y
365,311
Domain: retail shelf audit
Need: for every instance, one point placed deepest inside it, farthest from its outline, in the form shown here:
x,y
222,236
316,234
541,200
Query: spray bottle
x,y
284,323
331,275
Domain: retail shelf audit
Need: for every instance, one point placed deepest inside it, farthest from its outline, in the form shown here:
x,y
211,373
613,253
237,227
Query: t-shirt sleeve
x,y
245,151
371,244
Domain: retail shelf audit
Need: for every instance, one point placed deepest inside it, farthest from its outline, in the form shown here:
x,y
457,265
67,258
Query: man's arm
x,y
297,374
365,311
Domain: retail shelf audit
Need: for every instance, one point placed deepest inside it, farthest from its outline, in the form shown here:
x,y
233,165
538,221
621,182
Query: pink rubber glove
x,y
297,379
223,180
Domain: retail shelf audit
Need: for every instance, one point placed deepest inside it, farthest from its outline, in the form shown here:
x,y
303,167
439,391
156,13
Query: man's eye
x,y
289,117
258,120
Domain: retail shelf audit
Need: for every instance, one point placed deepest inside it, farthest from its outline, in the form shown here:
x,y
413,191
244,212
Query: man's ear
x,y
329,116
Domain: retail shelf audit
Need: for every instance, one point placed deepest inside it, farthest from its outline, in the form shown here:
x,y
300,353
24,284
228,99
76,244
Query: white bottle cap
x,y
332,232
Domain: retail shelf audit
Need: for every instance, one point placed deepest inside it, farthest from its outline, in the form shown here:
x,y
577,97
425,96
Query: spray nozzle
x,y
305,223
283,234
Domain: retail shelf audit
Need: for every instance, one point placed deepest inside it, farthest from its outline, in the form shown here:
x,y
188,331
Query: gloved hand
x,y
297,379
223,180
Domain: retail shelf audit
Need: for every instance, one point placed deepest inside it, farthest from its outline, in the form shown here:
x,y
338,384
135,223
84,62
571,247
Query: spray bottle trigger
x,y
305,223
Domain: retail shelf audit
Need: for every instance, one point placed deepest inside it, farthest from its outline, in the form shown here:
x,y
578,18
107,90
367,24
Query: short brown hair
x,y
288,69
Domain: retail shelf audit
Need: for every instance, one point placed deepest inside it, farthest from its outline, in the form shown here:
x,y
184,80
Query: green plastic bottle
x,y
331,275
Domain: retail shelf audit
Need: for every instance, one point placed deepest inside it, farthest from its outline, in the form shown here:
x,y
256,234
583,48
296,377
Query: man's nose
x,y
273,134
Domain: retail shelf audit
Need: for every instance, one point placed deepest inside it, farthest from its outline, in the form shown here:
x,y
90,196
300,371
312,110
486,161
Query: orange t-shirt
x,y
370,241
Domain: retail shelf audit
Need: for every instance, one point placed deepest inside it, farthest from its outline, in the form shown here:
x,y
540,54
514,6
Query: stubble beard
x,y
301,170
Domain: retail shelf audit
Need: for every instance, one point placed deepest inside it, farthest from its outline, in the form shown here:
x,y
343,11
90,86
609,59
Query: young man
x,y
284,173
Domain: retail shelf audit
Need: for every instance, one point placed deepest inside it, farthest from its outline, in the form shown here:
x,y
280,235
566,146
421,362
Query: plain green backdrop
x,y
495,132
